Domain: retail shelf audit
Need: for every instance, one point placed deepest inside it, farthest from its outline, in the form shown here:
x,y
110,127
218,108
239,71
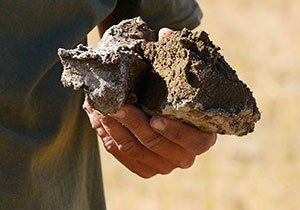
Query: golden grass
x,y
260,39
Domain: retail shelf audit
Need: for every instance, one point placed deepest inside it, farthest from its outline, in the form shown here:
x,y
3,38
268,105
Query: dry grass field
x,y
260,39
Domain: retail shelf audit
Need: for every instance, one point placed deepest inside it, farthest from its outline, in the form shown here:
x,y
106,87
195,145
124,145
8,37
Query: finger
x,y
130,146
110,145
94,115
190,138
138,124
134,166
164,32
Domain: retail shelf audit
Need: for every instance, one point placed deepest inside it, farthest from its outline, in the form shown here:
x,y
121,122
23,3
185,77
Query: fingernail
x,y
165,32
121,114
157,123
108,145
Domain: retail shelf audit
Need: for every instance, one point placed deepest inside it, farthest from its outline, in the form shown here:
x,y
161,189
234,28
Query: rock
x,y
110,75
182,77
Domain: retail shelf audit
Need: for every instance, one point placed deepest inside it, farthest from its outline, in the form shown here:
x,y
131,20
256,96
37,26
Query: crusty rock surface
x,y
111,74
183,77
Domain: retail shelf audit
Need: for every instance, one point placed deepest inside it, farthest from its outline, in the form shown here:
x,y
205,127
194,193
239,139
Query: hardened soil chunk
x,y
109,75
182,76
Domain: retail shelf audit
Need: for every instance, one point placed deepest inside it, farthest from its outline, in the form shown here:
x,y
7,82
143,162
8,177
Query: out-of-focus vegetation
x,y
261,171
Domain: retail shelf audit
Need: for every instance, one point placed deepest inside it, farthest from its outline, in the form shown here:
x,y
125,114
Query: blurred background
x,y
260,39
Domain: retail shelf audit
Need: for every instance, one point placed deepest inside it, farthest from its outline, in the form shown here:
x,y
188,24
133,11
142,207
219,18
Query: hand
x,y
149,146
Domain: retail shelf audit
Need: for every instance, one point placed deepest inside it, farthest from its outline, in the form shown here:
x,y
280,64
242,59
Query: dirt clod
x,y
182,76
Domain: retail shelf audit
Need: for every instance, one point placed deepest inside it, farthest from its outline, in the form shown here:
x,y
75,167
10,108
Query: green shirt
x,y
49,156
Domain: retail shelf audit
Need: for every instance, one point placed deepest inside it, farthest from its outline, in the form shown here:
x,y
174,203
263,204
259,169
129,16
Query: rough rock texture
x,y
183,77
111,74
197,85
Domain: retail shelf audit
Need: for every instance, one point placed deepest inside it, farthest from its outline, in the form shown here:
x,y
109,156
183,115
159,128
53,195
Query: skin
x,y
148,146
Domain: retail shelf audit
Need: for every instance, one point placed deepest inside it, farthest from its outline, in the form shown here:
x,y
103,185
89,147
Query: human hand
x,y
149,146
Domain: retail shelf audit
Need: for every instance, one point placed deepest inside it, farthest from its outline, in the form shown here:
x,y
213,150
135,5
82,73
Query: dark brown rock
x,y
183,77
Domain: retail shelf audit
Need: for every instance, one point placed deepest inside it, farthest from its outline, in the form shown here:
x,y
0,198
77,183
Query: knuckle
x,y
174,134
132,124
107,121
155,143
127,118
110,147
129,147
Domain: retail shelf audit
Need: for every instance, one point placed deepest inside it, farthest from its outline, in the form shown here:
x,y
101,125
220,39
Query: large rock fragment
x,y
197,85
183,77
111,74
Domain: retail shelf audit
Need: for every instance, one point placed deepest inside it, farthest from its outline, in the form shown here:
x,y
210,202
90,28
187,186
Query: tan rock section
x,y
182,77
